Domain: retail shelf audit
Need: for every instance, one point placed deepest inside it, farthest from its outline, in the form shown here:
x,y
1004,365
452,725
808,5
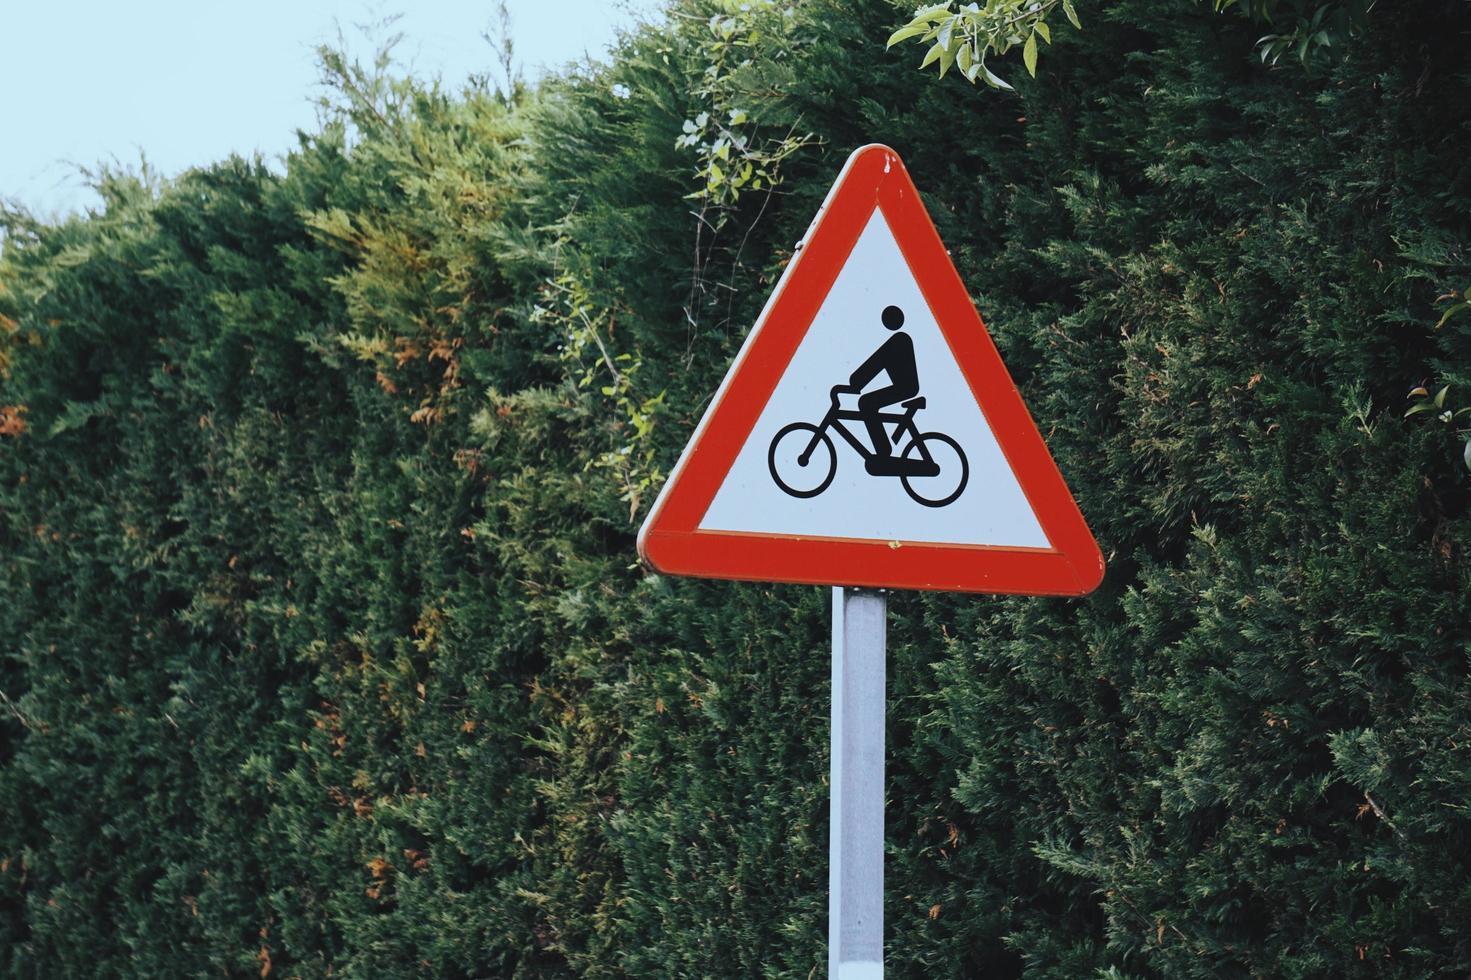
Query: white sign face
x,y
811,468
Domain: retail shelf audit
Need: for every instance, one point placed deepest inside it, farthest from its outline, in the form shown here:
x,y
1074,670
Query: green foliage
x,y
1443,412
964,35
1310,29
736,152
325,651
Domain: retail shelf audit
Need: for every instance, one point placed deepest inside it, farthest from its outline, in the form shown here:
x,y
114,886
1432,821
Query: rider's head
x,y
893,317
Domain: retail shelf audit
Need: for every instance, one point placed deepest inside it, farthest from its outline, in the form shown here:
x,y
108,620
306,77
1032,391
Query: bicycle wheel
x,y
937,491
784,459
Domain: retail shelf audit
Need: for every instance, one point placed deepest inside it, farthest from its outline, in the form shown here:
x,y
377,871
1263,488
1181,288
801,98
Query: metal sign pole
x,y
855,936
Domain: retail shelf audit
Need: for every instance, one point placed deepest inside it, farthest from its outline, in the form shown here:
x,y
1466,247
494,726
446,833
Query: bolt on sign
x,y
868,434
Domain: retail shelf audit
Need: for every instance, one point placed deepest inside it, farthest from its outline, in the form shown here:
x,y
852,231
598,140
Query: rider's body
x,y
803,460
895,357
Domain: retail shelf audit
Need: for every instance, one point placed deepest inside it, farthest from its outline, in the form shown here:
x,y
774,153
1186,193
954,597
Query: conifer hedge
x,y
323,645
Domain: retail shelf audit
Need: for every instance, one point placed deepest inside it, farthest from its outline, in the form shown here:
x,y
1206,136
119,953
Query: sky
x,y
187,82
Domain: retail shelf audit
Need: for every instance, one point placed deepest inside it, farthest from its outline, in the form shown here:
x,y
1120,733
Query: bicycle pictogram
x,y
931,466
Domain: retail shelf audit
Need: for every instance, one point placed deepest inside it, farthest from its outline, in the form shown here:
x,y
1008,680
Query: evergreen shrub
x,y
323,646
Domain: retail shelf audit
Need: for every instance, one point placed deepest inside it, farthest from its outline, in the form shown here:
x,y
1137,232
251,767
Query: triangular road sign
x,y
868,433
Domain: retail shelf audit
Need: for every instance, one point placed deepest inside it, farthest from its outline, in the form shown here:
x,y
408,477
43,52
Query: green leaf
x,y
907,31
1029,55
1452,312
931,56
1044,30
1072,15
1440,396
947,58
996,81
932,13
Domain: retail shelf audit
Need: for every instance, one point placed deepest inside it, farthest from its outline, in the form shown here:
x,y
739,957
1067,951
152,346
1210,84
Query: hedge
x,y
323,643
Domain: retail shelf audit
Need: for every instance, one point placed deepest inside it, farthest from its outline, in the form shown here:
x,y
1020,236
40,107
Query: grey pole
x,y
855,932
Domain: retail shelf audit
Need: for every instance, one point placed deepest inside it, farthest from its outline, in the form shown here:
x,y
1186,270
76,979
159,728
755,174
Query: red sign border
x,y
671,541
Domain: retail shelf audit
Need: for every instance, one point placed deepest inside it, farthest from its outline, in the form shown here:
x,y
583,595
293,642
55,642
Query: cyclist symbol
x,y
932,467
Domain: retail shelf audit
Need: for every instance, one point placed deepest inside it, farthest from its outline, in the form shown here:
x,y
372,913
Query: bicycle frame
x,y
837,414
